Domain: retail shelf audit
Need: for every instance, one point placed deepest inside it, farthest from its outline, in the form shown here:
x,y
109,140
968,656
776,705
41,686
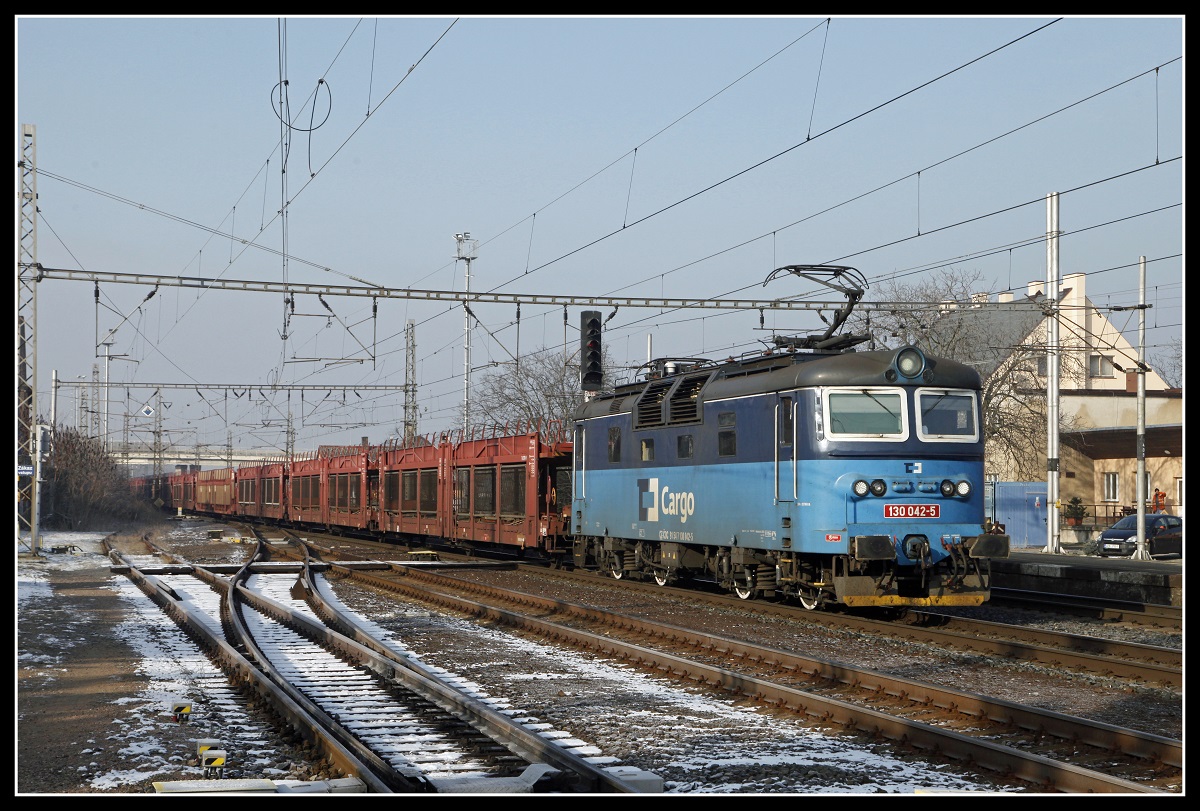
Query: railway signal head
x,y
591,372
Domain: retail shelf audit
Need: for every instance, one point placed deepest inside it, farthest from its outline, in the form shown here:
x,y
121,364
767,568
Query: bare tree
x,y
542,387
1169,363
906,325
84,484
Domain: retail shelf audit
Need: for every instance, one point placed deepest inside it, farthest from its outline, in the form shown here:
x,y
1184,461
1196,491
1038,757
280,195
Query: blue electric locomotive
x,y
840,477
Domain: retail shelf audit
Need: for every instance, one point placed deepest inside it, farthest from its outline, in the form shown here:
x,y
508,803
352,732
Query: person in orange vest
x,y
1158,502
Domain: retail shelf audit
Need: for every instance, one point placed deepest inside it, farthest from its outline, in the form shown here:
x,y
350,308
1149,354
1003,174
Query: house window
x,y
1112,490
1179,492
1041,366
1100,366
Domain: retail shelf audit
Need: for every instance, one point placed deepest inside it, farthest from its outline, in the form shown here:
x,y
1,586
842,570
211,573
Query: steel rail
x,y
349,637
990,756
241,670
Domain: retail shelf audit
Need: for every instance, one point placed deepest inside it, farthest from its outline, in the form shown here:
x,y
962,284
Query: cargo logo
x,y
652,501
647,499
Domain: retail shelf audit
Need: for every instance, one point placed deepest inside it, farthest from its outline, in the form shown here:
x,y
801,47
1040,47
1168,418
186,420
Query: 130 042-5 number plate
x,y
912,511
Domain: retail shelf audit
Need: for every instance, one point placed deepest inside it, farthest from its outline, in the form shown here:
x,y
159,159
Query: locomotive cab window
x,y
647,450
614,444
876,414
947,415
727,436
683,446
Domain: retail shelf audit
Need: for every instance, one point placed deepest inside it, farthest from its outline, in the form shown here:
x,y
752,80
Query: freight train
x,y
826,475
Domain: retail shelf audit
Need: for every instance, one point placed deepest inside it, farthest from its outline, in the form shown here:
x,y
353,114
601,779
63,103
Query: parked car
x,y
1164,536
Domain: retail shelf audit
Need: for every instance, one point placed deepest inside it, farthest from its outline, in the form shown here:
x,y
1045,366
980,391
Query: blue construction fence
x,y
1021,507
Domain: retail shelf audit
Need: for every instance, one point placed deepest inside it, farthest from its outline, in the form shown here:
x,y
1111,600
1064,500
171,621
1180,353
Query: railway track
x,y
1148,614
375,714
1046,750
1148,664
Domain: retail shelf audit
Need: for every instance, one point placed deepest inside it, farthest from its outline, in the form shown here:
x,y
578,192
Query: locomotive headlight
x,y
878,487
947,488
963,488
861,488
910,362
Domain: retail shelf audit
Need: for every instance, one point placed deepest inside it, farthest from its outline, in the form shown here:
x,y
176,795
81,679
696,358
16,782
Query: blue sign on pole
x,y
24,470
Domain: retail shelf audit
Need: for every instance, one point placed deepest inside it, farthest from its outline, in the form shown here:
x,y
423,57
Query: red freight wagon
x,y
509,489
261,490
306,480
183,491
215,492
346,478
408,491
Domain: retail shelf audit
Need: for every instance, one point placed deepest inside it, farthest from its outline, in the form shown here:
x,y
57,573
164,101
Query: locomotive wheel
x,y
809,599
745,592
616,566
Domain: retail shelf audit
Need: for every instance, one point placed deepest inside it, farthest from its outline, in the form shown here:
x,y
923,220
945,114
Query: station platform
x,y
1157,582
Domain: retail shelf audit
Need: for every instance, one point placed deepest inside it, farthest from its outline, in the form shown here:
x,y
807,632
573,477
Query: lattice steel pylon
x,y
27,278
158,450
94,425
410,380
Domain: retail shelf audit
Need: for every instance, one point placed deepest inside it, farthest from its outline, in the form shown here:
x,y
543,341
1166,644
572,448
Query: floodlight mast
x,y
466,253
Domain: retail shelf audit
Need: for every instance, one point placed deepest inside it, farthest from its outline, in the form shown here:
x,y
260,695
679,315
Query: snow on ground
x,y
176,671
710,734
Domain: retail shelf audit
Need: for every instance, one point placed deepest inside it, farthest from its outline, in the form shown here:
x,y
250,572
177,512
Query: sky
x,y
703,735
601,157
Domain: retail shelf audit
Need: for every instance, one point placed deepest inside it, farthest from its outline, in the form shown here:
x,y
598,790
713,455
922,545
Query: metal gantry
x,y
61,274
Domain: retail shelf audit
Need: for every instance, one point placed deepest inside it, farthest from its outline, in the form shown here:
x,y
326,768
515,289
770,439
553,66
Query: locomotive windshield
x,y
947,415
874,413
881,414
